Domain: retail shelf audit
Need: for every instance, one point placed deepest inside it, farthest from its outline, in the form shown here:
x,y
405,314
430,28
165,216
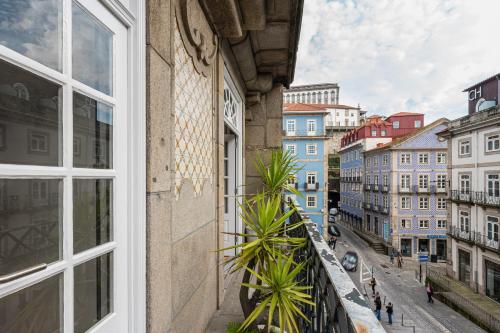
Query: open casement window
x,y
493,185
64,228
465,184
492,223
311,127
464,220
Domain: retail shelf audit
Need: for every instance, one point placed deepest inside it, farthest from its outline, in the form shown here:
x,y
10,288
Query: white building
x,y
322,93
474,170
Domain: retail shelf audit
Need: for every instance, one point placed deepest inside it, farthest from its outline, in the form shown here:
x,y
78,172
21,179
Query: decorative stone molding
x,y
197,36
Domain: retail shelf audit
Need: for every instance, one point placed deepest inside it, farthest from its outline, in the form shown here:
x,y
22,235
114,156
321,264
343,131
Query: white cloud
x,y
393,56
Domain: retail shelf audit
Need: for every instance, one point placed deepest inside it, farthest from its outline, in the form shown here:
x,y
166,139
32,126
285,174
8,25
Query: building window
x,y
423,158
441,158
292,149
383,133
423,224
368,179
423,182
441,203
464,148
405,181
368,161
292,179
441,182
312,149
493,143
375,160
311,201
423,203
291,126
374,132
405,158
395,124
418,123
441,224
405,223
311,178
385,180
385,201
493,181
375,199
492,227
464,221
311,126
375,179
464,184
38,142
385,159
405,202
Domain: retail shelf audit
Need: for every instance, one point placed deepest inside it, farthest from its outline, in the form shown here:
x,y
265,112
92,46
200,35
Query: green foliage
x,y
276,175
234,327
280,292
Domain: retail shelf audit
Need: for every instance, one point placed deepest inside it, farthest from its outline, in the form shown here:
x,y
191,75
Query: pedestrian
x,y
430,291
389,312
378,306
373,283
391,257
400,260
333,242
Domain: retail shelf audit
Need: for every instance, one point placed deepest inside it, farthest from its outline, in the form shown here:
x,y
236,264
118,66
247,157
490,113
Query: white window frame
x,y
314,150
311,177
464,147
493,185
405,179
417,123
420,221
405,223
465,183
423,182
441,203
312,126
439,223
441,181
492,228
385,159
405,159
423,202
494,140
293,150
395,124
308,202
375,161
405,202
441,158
423,158
291,126
464,221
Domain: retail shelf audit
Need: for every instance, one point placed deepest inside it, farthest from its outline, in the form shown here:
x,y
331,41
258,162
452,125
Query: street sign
x,y
423,256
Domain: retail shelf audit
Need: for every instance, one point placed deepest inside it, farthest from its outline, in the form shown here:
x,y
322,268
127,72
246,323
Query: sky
x,y
400,55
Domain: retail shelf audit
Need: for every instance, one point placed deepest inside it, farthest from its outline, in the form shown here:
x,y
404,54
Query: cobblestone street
x,y
400,287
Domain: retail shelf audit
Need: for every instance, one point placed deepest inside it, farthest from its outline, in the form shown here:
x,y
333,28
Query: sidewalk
x,y
479,308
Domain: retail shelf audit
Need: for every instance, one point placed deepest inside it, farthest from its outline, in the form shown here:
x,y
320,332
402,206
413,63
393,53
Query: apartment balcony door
x,y
233,165
464,267
64,230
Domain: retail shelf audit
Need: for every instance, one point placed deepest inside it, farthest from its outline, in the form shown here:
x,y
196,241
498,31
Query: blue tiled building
x,y
351,188
405,192
305,136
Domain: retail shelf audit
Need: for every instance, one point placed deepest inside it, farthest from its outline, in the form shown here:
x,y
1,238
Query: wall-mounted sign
x,y
475,94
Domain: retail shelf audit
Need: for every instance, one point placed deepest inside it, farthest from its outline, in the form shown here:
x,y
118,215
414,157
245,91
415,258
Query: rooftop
x,y
496,76
317,86
315,107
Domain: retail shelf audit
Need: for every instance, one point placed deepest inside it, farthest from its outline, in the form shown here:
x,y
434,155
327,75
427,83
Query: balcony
x,y
368,187
405,189
357,179
484,199
385,188
340,306
385,210
463,235
476,238
308,187
375,187
461,196
424,190
368,205
317,133
376,208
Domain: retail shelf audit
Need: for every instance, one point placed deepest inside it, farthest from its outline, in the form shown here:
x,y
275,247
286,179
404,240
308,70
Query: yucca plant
x,y
279,292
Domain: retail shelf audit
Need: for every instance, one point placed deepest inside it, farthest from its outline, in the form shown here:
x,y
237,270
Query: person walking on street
x,y
400,260
373,283
378,306
389,312
333,242
430,291
391,257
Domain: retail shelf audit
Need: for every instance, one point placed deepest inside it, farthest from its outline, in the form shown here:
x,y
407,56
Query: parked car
x,y
331,219
333,231
331,216
350,261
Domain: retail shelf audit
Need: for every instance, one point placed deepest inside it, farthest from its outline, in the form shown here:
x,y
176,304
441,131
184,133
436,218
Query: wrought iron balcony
x,y
368,187
483,198
461,196
311,187
340,306
490,241
463,235
403,189
385,210
375,187
385,188
318,132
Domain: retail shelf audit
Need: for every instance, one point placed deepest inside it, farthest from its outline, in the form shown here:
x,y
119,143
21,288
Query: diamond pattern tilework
x,y
193,122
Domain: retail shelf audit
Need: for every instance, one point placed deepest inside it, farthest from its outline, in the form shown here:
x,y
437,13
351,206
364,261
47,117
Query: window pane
x,y
92,292
34,29
92,212
93,51
37,308
93,129
29,117
30,223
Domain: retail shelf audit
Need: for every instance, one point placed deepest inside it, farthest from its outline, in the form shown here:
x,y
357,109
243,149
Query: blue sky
x,y
406,55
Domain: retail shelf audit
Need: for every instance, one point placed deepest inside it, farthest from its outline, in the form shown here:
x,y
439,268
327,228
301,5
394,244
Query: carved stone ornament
x,y
198,38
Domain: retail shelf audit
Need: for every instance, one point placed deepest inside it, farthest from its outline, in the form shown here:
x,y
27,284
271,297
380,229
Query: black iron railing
x,y
490,241
340,306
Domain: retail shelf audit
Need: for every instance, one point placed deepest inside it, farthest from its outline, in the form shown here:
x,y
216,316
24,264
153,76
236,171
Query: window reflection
x,y
33,28
92,51
93,133
30,121
30,223
37,308
92,292
92,213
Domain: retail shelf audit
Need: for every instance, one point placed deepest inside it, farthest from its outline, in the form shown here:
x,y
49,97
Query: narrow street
x,y
400,287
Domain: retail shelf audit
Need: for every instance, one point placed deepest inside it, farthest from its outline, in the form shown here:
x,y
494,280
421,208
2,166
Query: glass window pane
x,y
92,51
93,133
30,223
34,29
92,212
93,299
37,308
29,117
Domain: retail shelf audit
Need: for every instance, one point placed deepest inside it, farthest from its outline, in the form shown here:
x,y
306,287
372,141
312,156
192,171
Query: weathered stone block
x,y
159,124
274,102
274,133
159,27
255,136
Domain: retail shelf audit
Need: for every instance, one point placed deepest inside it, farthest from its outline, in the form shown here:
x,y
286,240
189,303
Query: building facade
x,y
322,93
405,192
125,127
474,171
305,138
374,131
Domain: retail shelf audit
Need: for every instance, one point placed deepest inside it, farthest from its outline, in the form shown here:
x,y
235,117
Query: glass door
x,y
63,167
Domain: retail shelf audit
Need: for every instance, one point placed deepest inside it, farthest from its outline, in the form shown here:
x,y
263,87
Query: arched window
x,y
314,97
308,98
21,91
320,99
326,97
333,96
